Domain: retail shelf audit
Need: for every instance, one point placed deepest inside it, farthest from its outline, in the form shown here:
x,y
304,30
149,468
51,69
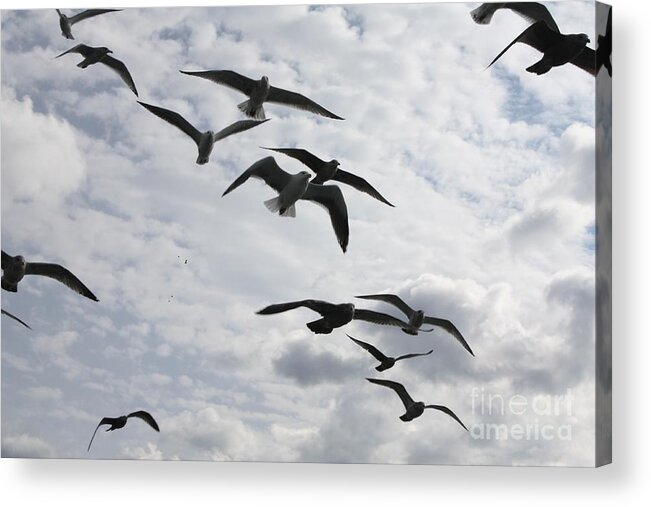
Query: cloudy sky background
x,y
491,172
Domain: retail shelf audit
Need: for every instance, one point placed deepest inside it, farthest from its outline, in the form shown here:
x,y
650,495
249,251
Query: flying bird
x,y
120,422
531,11
417,318
605,46
15,268
205,141
291,188
259,92
385,361
15,318
94,55
413,408
66,22
333,315
326,171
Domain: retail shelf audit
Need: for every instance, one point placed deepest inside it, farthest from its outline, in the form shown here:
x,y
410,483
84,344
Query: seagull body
x,y
205,141
326,171
417,318
15,318
116,423
293,187
15,268
260,92
385,361
413,408
531,11
333,315
94,55
66,22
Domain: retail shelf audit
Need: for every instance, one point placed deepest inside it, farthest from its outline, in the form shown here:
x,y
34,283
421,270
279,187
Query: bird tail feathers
x,y
539,68
274,205
248,109
319,327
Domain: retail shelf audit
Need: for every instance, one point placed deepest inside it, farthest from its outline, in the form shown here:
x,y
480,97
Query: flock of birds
x,y
543,34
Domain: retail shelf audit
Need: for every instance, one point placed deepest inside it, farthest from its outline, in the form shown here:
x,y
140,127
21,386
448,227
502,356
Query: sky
x,y
492,175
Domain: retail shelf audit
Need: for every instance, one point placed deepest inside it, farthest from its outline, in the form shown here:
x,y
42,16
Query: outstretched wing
x,y
265,169
105,420
174,118
89,14
298,101
400,390
360,184
6,259
82,49
122,71
238,126
321,307
145,416
408,356
61,274
539,36
587,60
531,11
330,197
227,78
15,318
378,318
392,299
370,348
303,156
450,328
446,410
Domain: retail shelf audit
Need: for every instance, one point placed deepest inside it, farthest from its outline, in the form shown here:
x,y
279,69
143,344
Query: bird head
x,y
105,50
584,38
265,80
304,174
334,163
20,259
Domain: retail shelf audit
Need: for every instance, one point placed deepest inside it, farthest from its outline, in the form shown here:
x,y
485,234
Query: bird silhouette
x,y
259,92
385,361
116,423
334,315
413,408
417,318
15,268
66,22
93,55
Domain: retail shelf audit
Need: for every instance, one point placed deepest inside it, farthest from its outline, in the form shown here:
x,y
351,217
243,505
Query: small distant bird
x,y
15,268
385,361
15,318
120,422
94,55
413,408
333,315
605,46
326,171
531,11
291,188
205,141
260,92
558,49
66,22
417,318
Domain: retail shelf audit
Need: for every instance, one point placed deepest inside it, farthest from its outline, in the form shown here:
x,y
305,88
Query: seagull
x,y
204,140
385,361
260,92
66,22
605,46
15,318
120,422
15,268
557,48
333,315
418,318
531,11
101,55
326,171
414,408
291,188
